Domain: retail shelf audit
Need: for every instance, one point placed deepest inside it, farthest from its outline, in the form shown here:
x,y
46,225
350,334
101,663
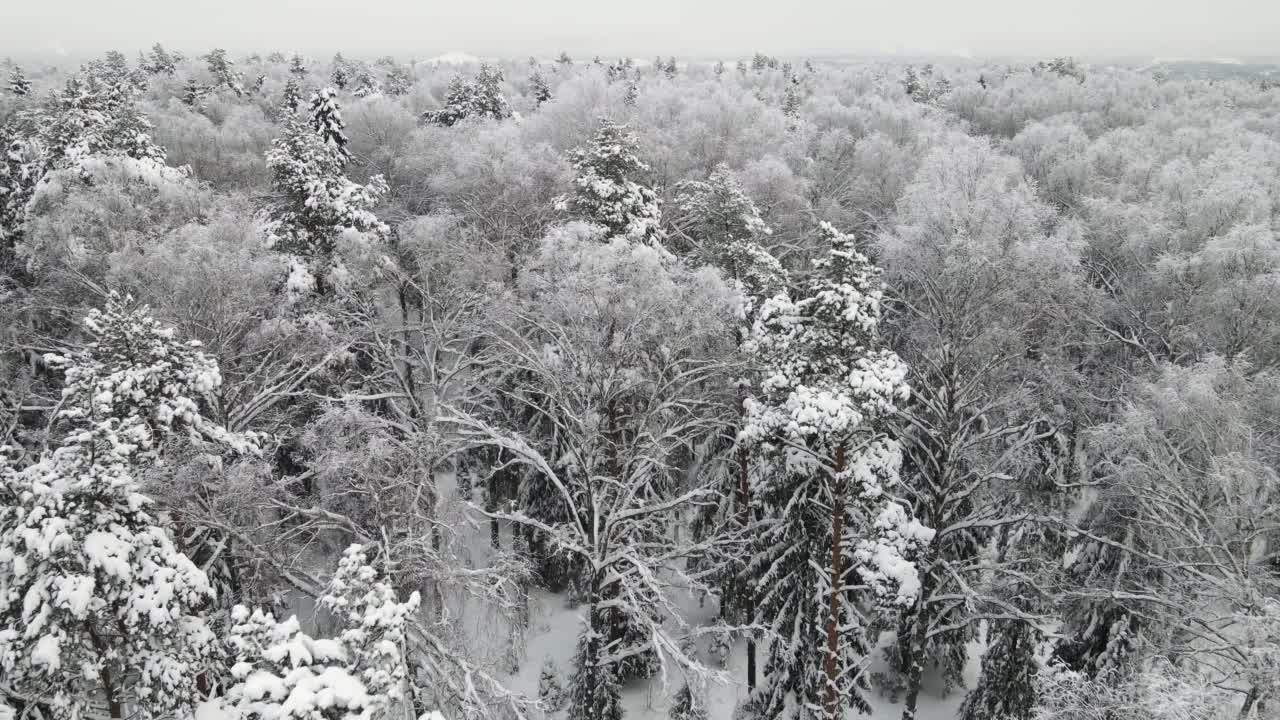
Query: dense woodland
x,y
306,364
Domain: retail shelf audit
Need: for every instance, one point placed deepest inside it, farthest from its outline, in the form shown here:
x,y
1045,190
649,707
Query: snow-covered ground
x,y
553,634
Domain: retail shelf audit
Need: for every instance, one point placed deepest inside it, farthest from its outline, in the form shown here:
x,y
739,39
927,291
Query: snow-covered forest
x,y
572,388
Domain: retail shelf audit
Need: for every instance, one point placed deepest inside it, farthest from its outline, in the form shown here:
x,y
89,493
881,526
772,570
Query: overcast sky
x,y
704,28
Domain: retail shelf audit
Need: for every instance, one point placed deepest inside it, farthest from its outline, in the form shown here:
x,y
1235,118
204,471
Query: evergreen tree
x,y
791,100
833,539
399,81
1006,686
223,72
670,69
292,96
539,88
319,203
480,97
19,86
550,691
297,66
684,706
326,120
606,190
280,673
594,690
632,95
340,73
193,93
160,62
98,600
718,69
564,61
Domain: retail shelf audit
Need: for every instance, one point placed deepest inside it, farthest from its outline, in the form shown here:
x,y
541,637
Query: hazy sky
x,y
1202,28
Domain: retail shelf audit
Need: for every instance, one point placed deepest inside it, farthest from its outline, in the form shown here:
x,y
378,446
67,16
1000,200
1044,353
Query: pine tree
x,y
670,69
718,69
1006,686
340,73
326,120
19,86
594,690
632,95
99,601
223,72
480,97
606,189
281,673
193,93
292,96
539,88
550,691
366,83
833,538
297,66
319,203
791,100
564,61
684,706
399,81
160,62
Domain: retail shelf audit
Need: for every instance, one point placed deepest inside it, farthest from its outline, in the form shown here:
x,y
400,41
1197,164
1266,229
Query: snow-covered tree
x,y
160,62
550,689
687,706
292,96
399,81
223,71
539,88
92,118
607,190
326,120
340,72
19,85
724,227
320,205
832,537
297,66
279,672
1007,681
97,601
611,378
194,93
480,97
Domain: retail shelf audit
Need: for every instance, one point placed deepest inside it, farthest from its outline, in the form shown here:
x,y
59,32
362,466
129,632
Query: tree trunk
x,y
491,505
831,701
1249,701
915,656
744,516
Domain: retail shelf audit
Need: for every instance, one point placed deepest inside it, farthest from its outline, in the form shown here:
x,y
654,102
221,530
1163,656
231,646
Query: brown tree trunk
x,y
831,701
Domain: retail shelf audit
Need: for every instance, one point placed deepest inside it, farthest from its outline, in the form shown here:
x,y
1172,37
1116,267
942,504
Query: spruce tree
x,y
297,66
606,190
539,88
98,599
685,706
160,62
223,71
292,96
594,690
340,73
1006,686
326,120
399,81
19,86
